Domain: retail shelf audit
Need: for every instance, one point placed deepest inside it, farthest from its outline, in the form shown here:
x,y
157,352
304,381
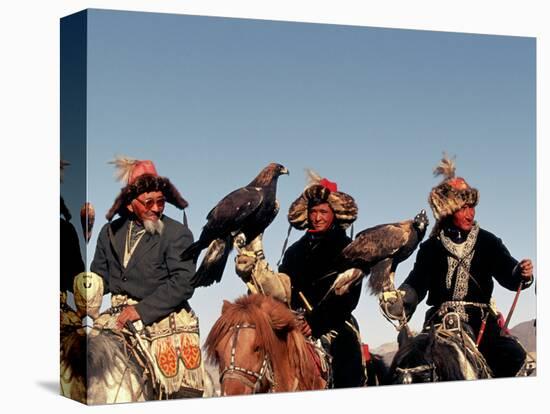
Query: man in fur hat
x,y
138,257
455,267
310,263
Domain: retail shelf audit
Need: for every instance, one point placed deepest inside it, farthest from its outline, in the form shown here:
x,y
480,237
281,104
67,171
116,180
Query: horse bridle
x,y
407,373
240,373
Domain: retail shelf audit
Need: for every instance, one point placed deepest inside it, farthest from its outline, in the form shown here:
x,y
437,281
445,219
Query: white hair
x,y
153,227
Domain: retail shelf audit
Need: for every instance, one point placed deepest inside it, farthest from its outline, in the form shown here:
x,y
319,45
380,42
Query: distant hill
x,y
526,332
386,351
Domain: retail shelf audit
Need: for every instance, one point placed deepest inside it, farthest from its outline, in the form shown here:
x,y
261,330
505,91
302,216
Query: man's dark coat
x,y
155,275
491,259
307,262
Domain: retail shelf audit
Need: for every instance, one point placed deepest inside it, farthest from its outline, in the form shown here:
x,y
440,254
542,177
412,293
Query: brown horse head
x,y
258,348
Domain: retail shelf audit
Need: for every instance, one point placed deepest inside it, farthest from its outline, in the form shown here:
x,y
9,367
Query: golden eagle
x,y
378,250
239,217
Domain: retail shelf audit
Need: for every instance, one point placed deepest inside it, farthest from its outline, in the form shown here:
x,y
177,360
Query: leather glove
x,y
244,265
392,305
129,313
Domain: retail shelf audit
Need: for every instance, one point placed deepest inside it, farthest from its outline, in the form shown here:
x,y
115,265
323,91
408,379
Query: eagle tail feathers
x,y
213,264
193,251
380,277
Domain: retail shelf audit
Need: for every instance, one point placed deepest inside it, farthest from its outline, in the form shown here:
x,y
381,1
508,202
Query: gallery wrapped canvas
x,y
253,206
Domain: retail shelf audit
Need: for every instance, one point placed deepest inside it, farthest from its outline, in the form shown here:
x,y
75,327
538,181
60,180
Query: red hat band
x,y
140,168
330,185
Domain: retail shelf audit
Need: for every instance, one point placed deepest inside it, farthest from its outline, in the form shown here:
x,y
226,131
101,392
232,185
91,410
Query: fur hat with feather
x,y
140,176
451,194
321,190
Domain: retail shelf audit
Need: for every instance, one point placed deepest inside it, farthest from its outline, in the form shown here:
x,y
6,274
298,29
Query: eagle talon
x,y
240,241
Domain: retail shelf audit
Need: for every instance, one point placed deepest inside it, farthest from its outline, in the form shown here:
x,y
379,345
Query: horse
x,y
438,355
259,348
96,368
103,366
377,370
111,371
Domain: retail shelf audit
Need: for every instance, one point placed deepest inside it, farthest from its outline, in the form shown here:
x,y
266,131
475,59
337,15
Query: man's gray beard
x,y
153,227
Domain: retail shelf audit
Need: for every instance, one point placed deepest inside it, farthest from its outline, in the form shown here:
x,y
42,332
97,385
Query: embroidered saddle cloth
x,y
172,347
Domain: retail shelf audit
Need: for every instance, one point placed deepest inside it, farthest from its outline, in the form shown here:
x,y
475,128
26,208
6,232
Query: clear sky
x,y
213,100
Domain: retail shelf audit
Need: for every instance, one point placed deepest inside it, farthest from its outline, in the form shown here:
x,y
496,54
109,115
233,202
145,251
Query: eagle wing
x,y
226,218
230,213
377,243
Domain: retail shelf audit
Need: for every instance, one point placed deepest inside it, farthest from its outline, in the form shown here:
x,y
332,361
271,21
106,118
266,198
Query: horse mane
x,y
73,350
106,353
94,356
426,348
276,333
449,369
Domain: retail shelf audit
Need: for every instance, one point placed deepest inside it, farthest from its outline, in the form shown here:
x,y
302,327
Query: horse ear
x,y
226,305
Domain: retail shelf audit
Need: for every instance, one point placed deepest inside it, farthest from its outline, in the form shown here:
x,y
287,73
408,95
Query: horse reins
x,y
240,373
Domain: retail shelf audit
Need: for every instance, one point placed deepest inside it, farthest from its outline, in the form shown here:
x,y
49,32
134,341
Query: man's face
x,y
148,206
463,219
321,217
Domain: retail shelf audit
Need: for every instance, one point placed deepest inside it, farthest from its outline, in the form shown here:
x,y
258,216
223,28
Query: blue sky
x,y
213,100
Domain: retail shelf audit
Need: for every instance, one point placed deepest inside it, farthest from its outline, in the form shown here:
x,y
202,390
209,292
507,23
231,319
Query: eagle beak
x,y
285,171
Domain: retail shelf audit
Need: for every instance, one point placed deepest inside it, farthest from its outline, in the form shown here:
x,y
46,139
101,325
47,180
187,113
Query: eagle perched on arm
x,y
239,217
378,250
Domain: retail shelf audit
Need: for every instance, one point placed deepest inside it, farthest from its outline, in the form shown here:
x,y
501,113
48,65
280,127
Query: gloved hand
x,y
392,305
244,265
129,313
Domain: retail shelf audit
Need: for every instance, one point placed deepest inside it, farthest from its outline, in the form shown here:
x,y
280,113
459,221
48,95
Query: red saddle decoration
x,y
366,353
190,353
167,359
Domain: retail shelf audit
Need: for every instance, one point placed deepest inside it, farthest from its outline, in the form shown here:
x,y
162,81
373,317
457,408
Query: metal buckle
x,y
451,322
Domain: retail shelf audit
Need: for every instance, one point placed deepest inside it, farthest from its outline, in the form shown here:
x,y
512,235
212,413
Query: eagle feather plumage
x,y
242,214
378,250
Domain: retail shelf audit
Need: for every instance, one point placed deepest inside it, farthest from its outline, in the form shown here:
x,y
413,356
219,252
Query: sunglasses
x,y
148,203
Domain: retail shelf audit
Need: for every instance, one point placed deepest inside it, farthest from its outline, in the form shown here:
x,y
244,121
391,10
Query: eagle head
x,y
421,222
278,169
268,176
